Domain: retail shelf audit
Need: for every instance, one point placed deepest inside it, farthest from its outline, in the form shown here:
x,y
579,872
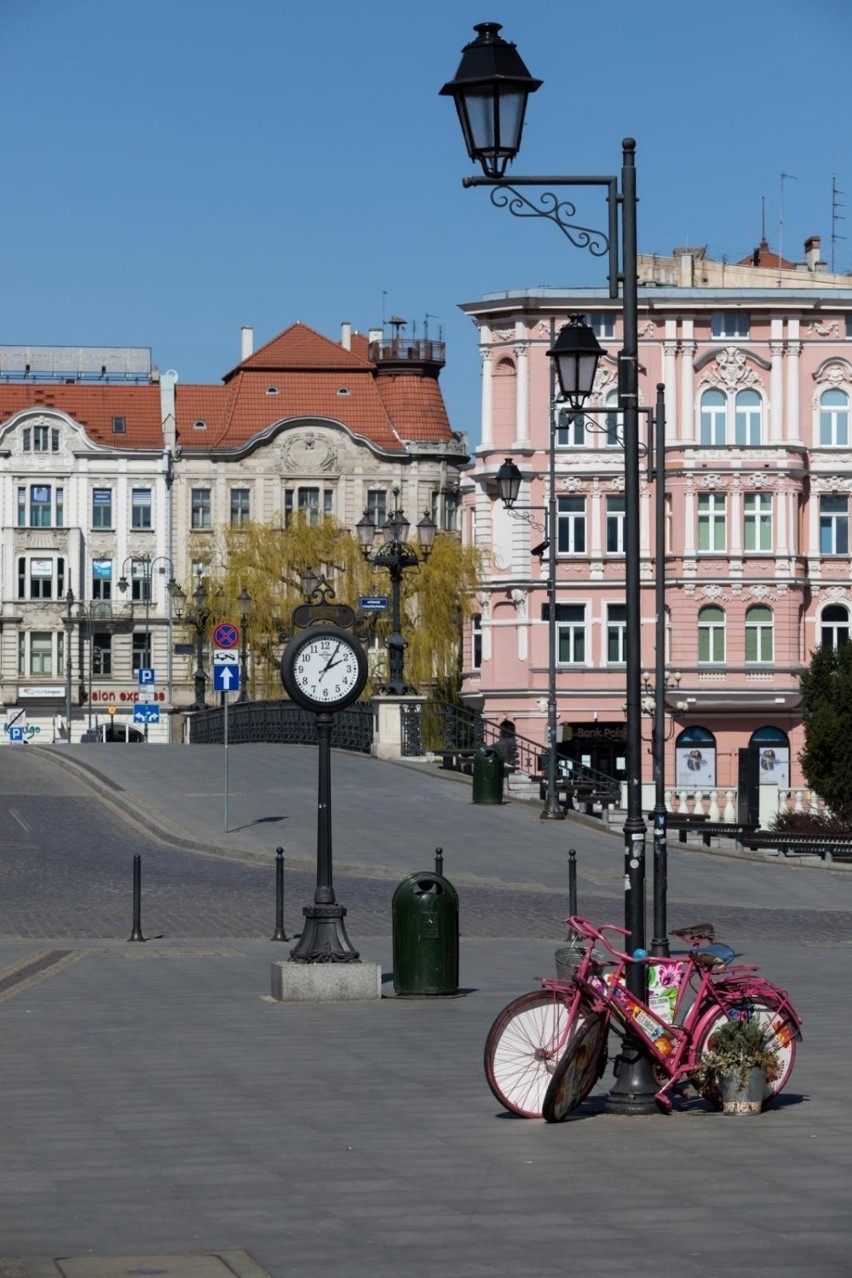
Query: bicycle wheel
x,y
523,1047
579,1069
781,1035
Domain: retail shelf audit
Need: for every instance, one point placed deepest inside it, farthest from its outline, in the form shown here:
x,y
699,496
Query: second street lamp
x,y
397,555
198,619
490,91
244,600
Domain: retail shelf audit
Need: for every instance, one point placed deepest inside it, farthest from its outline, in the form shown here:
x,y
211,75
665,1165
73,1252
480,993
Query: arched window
x,y
773,751
759,631
749,415
711,635
834,419
695,757
504,402
834,627
713,414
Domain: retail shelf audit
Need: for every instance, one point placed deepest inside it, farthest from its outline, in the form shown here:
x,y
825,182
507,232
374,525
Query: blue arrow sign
x,y
226,677
146,714
373,603
147,676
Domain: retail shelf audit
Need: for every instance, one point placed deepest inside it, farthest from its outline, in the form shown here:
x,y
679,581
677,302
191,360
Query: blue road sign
x,y
147,676
373,603
16,734
143,713
226,635
226,677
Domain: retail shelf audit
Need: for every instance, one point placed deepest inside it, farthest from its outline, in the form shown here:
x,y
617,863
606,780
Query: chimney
x,y
812,253
246,341
346,336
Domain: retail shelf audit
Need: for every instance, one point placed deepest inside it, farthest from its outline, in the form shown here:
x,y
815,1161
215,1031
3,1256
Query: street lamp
x,y
198,618
396,555
574,355
244,600
147,563
490,91
655,706
68,623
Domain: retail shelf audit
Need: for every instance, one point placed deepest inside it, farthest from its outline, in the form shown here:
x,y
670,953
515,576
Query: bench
x,y
727,830
682,822
456,760
826,846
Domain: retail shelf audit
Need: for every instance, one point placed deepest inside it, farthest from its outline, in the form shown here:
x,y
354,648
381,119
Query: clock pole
x,y
324,938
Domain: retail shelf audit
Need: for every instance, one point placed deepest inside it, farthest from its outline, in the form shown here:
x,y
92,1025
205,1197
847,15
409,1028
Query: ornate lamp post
x,y
490,91
145,577
244,600
575,355
197,618
397,555
68,623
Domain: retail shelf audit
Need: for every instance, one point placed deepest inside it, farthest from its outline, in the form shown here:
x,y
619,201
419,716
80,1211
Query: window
x,y
102,653
757,522
570,633
833,526
41,578
748,416
711,636
477,640
240,506
102,508
759,631
834,627
571,526
199,424
570,429
140,508
40,439
712,418
41,653
615,511
451,511
711,522
140,581
849,323
119,425
602,323
729,324
200,508
142,651
616,634
41,506
102,580
377,507
309,503
834,419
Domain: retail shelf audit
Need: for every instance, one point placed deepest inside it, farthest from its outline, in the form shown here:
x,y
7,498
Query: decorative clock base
x,y
324,938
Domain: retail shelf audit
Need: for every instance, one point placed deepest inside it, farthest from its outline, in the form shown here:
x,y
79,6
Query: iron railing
x,y
284,723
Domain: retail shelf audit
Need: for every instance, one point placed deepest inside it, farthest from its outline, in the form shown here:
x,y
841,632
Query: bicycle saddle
x,y
715,954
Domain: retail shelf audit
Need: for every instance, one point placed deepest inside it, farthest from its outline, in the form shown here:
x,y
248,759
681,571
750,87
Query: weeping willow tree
x,y
268,560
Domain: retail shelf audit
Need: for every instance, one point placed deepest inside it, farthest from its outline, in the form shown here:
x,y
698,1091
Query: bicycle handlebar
x,y
584,927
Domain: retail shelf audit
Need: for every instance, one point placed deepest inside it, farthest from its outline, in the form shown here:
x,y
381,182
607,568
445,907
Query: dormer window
x,y
272,390
343,390
200,424
119,425
40,439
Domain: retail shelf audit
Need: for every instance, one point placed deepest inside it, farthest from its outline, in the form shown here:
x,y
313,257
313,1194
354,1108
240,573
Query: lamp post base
x,y
634,1090
552,810
324,938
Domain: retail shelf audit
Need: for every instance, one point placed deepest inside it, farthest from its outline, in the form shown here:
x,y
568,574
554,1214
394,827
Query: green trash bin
x,y
487,776
425,913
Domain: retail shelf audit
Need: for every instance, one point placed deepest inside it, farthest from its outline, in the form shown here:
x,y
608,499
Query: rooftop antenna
x,y
384,300
784,178
426,319
835,216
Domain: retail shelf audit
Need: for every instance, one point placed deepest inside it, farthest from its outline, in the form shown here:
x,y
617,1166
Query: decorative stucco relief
x,y
833,372
824,330
519,602
731,370
831,483
309,452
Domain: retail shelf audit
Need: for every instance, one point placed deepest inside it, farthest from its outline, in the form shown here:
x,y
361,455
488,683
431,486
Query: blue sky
x,y
178,168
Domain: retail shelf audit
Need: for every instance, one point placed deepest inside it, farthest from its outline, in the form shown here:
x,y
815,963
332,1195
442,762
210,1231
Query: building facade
x,y
756,364
115,480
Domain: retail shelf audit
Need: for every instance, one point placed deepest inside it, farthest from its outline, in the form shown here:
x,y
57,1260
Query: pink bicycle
x,y
546,1049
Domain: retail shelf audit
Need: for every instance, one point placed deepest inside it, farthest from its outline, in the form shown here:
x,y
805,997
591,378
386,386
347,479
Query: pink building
x,y
756,362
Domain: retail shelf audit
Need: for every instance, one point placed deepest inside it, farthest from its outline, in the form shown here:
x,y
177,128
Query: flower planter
x,y
739,1098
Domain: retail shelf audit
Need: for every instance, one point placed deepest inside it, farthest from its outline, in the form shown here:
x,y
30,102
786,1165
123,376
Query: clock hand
x,y
330,661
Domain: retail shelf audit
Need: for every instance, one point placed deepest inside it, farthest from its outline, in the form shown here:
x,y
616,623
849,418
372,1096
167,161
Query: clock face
x,y
324,669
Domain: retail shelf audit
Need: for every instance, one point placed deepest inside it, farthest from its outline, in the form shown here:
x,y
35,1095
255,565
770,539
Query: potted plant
x,y
736,1066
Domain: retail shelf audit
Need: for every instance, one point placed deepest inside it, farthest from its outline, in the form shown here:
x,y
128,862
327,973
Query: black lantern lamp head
x,y
366,530
179,599
509,480
426,529
396,528
490,91
576,352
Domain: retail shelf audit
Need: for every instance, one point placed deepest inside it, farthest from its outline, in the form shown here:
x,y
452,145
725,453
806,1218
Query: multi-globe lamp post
x,y
490,90
198,618
397,555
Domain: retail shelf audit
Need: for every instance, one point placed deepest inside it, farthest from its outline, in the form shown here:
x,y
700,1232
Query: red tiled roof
x,y
763,256
94,408
415,406
300,347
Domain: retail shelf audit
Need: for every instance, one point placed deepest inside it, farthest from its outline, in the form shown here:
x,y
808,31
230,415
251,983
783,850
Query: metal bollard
x,y
572,882
439,861
280,934
136,934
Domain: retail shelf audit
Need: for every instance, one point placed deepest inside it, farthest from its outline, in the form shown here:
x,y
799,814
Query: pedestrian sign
x,y
143,713
226,677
